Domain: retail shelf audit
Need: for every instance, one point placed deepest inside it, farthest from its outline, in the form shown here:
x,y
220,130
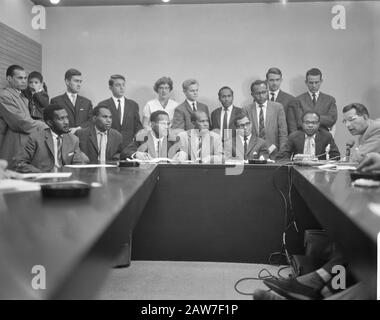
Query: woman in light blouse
x,y
163,87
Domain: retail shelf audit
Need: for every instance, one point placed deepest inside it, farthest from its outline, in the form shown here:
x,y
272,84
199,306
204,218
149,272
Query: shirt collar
x,y
275,93
316,95
264,104
69,94
156,139
313,136
55,136
191,102
98,131
115,100
229,108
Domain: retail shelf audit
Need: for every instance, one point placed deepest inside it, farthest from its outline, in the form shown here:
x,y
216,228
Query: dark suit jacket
x,y
234,148
144,142
182,115
131,119
325,107
292,110
296,142
215,118
38,152
38,101
80,115
88,144
276,129
15,124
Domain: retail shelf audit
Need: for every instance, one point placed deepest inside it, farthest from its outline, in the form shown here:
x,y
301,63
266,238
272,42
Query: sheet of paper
x,y
91,166
13,185
45,175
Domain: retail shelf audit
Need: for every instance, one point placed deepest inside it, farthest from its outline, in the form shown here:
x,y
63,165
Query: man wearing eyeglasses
x,y
243,144
310,142
358,123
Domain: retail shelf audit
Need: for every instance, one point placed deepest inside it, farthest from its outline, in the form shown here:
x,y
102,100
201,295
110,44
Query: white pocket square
x,y
70,154
81,109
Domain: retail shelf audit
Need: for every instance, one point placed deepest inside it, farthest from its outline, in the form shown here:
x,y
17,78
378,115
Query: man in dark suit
x,y
310,142
182,114
15,120
291,108
268,118
243,145
99,141
125,112
79,109
154,143
316,101
52,147
223,118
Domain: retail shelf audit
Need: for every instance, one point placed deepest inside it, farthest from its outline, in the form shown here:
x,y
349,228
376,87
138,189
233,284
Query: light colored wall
x,y
230,44
17,14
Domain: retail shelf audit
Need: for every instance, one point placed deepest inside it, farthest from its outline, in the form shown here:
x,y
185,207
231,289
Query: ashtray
x,y
126,163
65,190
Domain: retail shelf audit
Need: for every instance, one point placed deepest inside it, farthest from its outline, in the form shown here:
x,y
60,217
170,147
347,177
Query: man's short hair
x,y
360,109
49,111
224,88
115,77
258,83
189,82
314,72
240,115
71,73
273,71
156,114
11,70
195,114
311,112
161,81
96,110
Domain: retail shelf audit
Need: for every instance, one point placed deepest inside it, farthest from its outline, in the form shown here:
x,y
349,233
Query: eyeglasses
x,y
311,122
243,125
352,119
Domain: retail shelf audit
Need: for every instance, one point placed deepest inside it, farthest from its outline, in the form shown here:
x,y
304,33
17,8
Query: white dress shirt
x,y
102,144
258,113
122,104
157,141
316,95
191,104
72,97
309,145
155,105
229,111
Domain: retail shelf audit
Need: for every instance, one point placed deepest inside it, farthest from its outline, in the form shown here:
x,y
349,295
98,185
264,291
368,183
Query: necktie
x,y
119,111
245,147
73,99
225,126
261,123
314,99
194,107
59,151
158,148
200,148
272,98
102,147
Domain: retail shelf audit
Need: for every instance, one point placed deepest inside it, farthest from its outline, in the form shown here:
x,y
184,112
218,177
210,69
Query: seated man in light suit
x,y
155,143
310,140
243,145
99,141
357,121
182,114
268,118
200,144
52,147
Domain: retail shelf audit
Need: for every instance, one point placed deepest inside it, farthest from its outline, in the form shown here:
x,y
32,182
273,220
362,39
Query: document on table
x,y
91,166
45,175
18,185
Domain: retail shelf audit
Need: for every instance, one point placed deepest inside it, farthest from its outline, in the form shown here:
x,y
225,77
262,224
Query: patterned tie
x,y
119,110
59,151
272,98
261,123
194,107
314,99
225,126
102,147
200,148
158,149
245,147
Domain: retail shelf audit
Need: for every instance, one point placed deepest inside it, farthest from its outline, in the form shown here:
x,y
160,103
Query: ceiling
x,y
71,3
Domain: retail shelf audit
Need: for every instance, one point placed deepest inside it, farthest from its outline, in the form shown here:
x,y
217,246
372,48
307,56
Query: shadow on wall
x,y
372,95
297,85
246,89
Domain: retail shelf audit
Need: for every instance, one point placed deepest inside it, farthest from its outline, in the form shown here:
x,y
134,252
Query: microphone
x,y
327,152
349,145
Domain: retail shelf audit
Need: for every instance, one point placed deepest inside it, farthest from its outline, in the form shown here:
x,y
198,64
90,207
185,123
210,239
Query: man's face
x,y
202,123
313,83
260,93
274,81
19,80
226,98
244,127
60,122
355,124
118,88
103,120
161,126
310,124
163,91
74,84
191,92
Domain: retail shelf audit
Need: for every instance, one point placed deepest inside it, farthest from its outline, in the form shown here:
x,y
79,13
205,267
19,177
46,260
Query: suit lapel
x,y
231,124
93,139
49,142
21,99
318,144
218,115
301,140
188,107
255,123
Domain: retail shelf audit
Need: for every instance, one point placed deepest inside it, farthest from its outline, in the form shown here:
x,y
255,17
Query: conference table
x,y
178,212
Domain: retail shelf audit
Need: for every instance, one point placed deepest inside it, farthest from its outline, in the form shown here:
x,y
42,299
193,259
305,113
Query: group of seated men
x,y
276,125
